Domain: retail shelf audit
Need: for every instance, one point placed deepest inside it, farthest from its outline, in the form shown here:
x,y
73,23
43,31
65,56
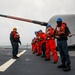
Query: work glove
x,y
57,36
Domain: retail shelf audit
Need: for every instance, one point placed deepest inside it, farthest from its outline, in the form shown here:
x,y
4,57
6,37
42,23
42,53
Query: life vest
x,y
61,30
15,35
35,40
41,36
50,33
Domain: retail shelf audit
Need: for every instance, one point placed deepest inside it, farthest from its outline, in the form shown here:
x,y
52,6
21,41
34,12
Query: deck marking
x,y
10,62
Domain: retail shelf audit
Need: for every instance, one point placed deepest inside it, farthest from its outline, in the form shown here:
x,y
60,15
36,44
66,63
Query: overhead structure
x,y
26,20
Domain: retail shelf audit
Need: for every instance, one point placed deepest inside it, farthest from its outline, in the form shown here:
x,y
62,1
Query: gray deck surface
x,y
30,64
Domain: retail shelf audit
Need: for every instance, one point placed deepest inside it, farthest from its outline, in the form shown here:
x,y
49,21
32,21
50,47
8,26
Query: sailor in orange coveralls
x,y
39,50
34,45
50,44
42,39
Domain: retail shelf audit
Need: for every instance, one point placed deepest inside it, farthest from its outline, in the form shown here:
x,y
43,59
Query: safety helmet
x,y
48,25
14,28
40,30
35,32
59,19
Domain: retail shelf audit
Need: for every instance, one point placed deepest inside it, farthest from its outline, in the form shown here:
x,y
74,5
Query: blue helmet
x,y
48,25
59,19
35,32
40,30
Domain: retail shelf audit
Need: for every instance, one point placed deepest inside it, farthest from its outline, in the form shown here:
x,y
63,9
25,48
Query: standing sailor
x,y
61,34
15,39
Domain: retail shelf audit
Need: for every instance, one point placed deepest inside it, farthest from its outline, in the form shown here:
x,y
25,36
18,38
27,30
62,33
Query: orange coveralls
x,y
34,45
50,44
39,51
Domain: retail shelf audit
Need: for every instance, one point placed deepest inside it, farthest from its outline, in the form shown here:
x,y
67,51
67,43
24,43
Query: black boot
x,y
67,68
14,57
33,52
43,56
17,57
61,66
38,55
47,59
55,62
